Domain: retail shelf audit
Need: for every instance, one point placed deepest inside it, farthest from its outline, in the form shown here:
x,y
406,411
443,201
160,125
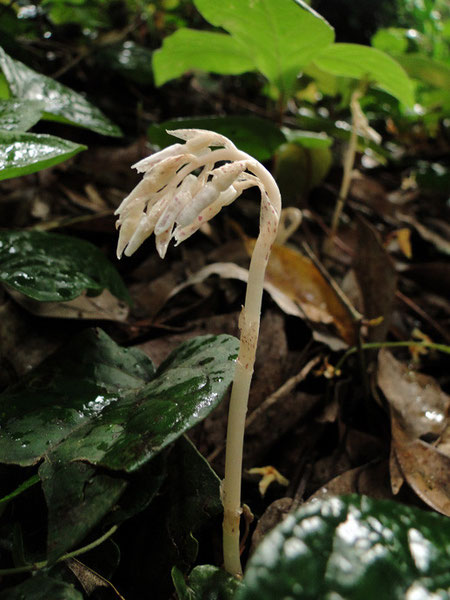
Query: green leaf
x,y
354,548
20,115
60,102
281,36
77,498
189,504
97,402
187,49
426,69
205,582
363,62
258,137
24,153
308,139
275,37
193,499
392,40
40,587
54,267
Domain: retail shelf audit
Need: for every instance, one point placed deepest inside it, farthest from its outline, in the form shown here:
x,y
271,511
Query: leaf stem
x,y
41,565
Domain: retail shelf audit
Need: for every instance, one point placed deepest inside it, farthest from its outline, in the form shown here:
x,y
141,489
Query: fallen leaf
x,y
299,280
105,306
369,479
419,422
377,279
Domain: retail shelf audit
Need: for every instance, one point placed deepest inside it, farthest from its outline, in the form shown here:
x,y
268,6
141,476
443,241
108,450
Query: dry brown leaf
x,y
105,306
89,579
369,479
233,271
419,412
377,279
298,279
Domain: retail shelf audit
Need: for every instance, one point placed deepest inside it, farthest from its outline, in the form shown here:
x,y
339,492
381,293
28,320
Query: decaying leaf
x,y
295,284
377,279
105,306
298,279
419,421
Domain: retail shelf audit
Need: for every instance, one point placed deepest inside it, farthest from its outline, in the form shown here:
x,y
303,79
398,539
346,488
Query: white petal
x,y
146,163
141,233
181,198
141,192
127,228
227,197
226,175
206,137
207,195
162,242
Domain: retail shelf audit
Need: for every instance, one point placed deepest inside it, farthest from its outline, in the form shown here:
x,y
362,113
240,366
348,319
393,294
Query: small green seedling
x,y
173,202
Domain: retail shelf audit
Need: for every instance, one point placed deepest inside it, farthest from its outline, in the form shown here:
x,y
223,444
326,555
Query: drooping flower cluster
x,y
173,202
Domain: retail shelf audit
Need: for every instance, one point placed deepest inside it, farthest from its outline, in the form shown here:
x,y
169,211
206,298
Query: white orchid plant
x,y
182,188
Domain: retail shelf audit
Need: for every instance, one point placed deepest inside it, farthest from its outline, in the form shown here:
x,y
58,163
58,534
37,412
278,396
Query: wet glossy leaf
x,y
97,402
52,267
258,137
363,62
205,582
19,115
61,103
352,547
23,153
40,587
274,37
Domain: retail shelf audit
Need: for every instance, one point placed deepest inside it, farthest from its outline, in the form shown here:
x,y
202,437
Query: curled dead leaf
x,y
296,276
419,421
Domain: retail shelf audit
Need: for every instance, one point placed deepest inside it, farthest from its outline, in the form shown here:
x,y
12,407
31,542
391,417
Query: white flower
x,y
173,202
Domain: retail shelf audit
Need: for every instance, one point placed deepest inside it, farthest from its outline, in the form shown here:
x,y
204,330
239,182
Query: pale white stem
x,y
249,327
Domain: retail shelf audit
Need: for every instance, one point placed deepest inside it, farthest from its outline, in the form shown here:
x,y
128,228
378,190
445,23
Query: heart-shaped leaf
x,y
275,37
355,548
254,135
55,268
60,102
23,153
103,404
